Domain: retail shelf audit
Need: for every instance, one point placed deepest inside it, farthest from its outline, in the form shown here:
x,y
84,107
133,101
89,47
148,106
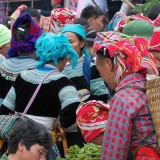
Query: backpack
x,y
153,101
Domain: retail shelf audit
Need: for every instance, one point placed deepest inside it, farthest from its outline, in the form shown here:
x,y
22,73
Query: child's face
x,y
45,27
53,3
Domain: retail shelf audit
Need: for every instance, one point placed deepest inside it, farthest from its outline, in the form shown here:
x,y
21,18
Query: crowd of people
x,y
95,85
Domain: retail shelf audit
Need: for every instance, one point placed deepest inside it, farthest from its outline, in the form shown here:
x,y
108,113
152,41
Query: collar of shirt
x,y
131,79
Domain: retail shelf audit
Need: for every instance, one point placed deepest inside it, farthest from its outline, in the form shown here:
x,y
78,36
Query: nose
x,y
43,157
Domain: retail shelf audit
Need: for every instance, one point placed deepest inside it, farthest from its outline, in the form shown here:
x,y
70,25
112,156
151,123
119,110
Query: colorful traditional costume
x,y
129,123
10,68
96,90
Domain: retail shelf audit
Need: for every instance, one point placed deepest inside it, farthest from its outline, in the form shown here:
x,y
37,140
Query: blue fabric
x,y
87,70
51,47
28,44
79,30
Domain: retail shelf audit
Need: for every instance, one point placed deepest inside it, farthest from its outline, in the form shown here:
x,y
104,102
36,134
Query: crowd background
x,y
96,59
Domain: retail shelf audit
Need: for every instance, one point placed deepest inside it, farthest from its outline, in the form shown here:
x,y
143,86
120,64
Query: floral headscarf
x,y
92,118
130,53
60,17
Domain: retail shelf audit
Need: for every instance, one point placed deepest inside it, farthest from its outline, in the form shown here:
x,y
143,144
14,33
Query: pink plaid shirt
x,y
128,110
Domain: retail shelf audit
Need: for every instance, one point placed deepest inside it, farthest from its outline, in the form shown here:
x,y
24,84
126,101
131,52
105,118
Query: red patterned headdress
x,y
130,53
92,119
60,17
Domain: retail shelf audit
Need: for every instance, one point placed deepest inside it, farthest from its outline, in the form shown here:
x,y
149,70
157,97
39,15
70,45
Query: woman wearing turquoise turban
x,y
85,76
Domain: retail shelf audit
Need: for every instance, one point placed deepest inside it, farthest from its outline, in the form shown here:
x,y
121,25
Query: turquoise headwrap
x,y
51,47
77,29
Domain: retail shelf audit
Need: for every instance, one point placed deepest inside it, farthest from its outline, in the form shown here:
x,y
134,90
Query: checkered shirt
x,y
128,110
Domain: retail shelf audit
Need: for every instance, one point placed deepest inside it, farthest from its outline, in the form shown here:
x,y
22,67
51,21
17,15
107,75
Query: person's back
x,y
21,52
57,97
45,108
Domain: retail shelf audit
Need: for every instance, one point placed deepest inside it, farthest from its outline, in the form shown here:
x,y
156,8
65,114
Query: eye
x,y
40,152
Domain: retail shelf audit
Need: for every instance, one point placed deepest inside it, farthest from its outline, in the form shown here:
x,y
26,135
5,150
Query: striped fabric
x,y
56,93
97,86
9,101
128,110
10,68
67,96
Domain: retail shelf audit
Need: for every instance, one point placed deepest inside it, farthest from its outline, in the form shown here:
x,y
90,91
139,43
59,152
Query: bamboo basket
x,y
153,101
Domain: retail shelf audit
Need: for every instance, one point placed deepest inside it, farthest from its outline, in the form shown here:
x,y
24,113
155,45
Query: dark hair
x,y
8,22
132,12
102,54
82,21
29,133
153,12
22,31
91,11
90,36
33,12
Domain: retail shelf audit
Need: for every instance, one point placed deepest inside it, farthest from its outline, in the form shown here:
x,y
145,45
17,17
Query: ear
x,y
90,20
82,44
109,64
21,146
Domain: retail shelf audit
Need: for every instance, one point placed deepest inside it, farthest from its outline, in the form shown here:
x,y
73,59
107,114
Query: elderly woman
x,y
85,76
123,63
21,53
29,140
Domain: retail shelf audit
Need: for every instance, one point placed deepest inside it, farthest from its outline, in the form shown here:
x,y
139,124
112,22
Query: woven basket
x,y
153,101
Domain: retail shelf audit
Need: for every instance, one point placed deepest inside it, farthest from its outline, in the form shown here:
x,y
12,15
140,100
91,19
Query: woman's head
x,y
25,32
92,119
60,17
105,65
55,48
29,140
76,35
122,55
